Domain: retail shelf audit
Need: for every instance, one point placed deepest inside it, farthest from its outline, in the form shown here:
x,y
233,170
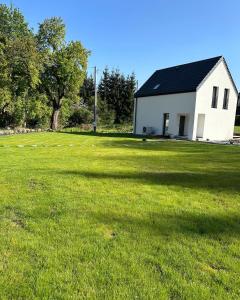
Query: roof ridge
x,y
193,62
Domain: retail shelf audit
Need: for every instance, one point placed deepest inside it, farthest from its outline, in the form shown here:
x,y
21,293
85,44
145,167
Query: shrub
x,y
80,116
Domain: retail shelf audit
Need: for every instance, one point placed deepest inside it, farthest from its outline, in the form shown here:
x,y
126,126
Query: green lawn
x,y
117,218
237,129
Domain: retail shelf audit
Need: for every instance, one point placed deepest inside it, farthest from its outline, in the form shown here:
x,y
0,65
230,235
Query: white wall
x,y
219,123
150,112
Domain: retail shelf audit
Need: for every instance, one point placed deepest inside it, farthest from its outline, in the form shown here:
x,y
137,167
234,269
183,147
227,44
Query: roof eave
x,y
163,94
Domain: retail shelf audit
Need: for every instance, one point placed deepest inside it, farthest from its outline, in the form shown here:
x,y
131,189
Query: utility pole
x,y
95,101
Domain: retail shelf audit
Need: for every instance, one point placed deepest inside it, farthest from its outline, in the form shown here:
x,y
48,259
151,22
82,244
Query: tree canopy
x,y
64,65
117,92
19,59
44,80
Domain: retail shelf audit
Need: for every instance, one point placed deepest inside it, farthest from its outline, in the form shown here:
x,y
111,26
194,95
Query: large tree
x,y
19,59
64,64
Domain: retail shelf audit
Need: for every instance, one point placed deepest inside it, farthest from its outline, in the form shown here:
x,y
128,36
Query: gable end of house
x,y
222,59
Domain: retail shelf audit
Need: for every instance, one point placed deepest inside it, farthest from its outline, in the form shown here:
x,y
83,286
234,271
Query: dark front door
x,y
181,125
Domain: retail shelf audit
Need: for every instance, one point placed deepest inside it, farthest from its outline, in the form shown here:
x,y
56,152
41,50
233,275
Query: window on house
x,y
215,97
226,99
156,86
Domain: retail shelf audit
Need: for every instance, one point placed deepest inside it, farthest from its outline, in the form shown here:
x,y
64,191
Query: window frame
x,y
226,98
215,97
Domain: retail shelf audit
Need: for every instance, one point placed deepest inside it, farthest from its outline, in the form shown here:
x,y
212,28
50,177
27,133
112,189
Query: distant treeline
x,y
44,82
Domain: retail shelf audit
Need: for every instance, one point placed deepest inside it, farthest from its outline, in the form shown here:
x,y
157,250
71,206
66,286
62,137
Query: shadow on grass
x,y
213,181
155,143
183,222
102,134
172,146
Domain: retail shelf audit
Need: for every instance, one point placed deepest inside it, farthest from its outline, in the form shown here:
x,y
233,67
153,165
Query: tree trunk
x,y
54,118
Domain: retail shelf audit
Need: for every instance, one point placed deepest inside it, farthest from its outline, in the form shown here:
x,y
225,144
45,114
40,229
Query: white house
x,y
196,101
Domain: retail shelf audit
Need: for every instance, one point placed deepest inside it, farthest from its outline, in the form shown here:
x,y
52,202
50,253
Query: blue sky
x,y
146,35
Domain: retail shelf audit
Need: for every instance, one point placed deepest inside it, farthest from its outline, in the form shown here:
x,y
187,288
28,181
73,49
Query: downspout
x,y
195,117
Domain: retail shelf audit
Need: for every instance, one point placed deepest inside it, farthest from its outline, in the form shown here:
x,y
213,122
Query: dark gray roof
x,y
179,79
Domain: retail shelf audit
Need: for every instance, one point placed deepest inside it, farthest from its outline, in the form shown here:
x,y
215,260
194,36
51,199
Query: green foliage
x,y
35,111
65,67
116,91
106,115
6,107
23,59
237,129
19,110
80,116
19,65
38,112
65,113
42,71
51,34
115,98
18,54
37,67
5,80
12,24
87,93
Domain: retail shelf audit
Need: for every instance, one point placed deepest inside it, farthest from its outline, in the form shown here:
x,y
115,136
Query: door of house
x,y
200,125
165,124
181,125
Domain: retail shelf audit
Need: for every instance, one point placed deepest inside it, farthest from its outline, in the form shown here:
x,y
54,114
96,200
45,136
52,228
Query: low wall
x,y
19,131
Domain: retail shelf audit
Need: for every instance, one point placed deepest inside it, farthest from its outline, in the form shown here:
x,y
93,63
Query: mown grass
x,y
237,129
111,217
